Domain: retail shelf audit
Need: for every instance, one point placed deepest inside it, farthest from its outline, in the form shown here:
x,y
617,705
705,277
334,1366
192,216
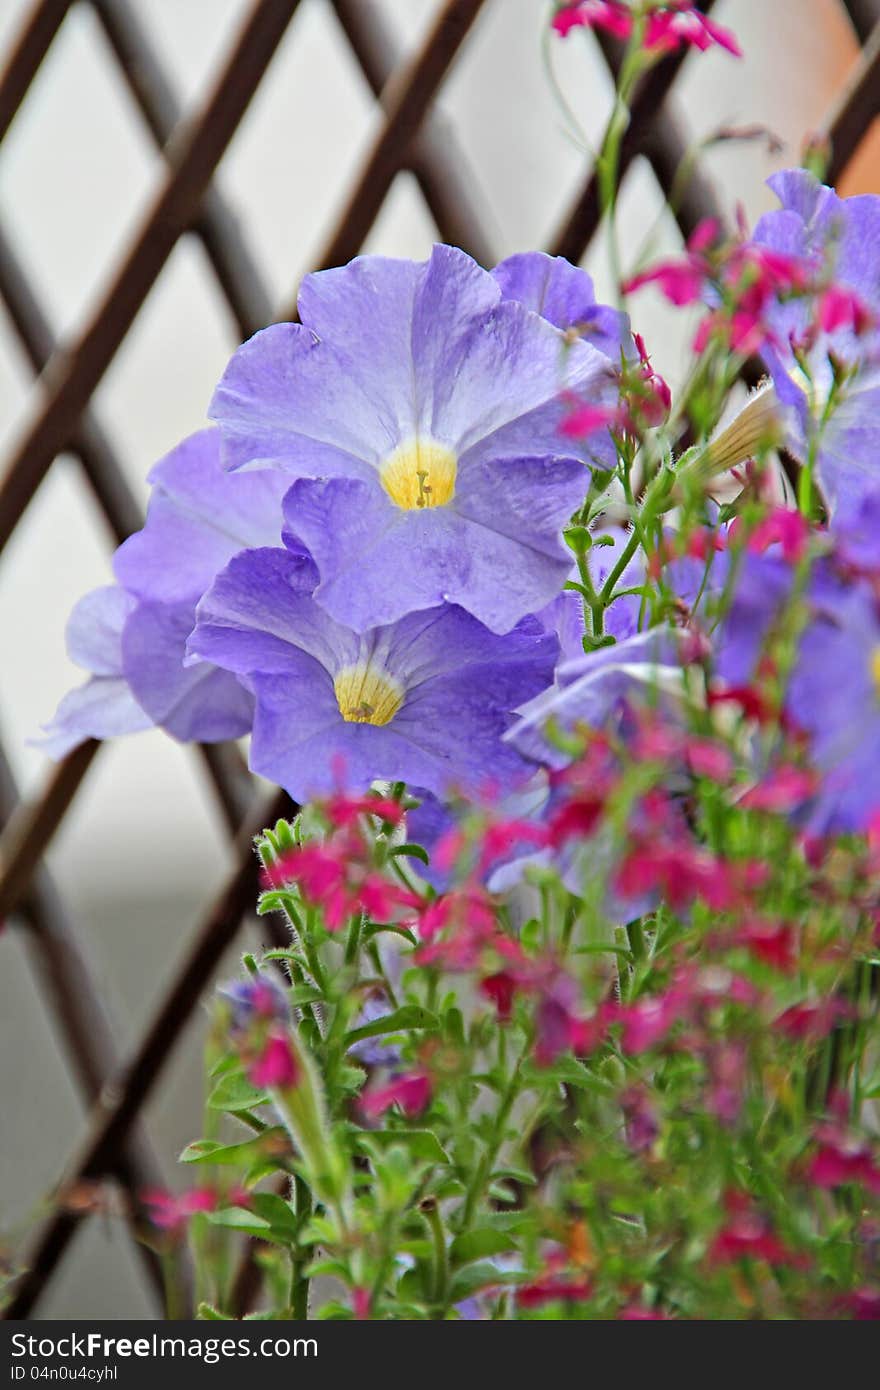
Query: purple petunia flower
x,y
132,636
563,294
832,343
423,700
592,688
856,531
104,706
416,410
834,695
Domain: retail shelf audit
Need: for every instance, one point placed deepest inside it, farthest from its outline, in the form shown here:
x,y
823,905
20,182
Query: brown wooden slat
x,y
32,824
856,108
581,222
73,375
120,1101
29,48
406,99
216,226
77,1010
435,155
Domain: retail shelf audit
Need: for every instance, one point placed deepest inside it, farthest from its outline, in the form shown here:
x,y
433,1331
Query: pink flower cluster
x,y
339,874
410,1090
751,279
172,1211
748,1234
645,401
671,24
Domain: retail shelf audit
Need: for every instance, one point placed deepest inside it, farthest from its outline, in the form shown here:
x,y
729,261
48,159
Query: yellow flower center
x,y
875,669
367,695
420,473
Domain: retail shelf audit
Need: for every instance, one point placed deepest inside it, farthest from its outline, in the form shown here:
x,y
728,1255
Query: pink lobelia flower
x,y
500,988
772,942
864,1304
675,25
783,789
682,871
338,877
585,420
342,810
811,1021
169,1211
682,281
460,927
842,1157
789,528
559,1026
610,15
747,1234
361,1301
650,396
840,307
276,1066
411,1091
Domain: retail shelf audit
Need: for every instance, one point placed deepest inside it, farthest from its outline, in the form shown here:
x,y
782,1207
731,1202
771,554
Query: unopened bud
x,y
758,426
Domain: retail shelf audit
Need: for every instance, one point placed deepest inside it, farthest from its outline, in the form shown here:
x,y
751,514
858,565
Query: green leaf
x,y
272,1208
453,1021
334,1312
522,1175
412,852
278,900
240,1219
478,1243
271,1219
305,994
224,1064
337,1269
401,1020
479,1276
421,1143
568,1071
502,1193
210,1151
234,1092
578,539
209,1313
374,928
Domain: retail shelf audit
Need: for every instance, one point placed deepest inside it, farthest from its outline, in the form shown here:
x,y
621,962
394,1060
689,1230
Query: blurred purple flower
x,y
593,688
132,637
816,342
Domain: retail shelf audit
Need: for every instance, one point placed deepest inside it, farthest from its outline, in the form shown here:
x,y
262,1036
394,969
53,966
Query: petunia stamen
x,y
420,473
367,695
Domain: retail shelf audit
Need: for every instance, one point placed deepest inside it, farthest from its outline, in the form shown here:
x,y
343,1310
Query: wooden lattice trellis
x,y
411,136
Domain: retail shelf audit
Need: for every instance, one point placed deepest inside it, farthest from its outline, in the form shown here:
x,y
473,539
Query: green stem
x,y
484,1167
606,593
441,1253
299,1283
